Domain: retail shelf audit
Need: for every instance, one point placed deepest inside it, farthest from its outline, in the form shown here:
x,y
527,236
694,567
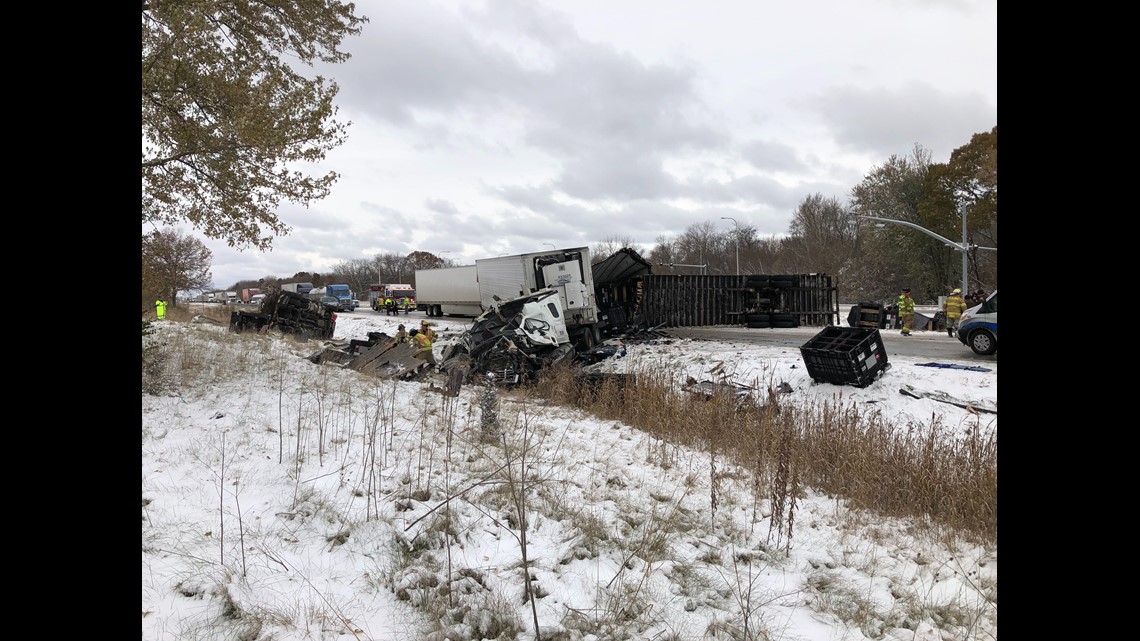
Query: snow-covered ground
x,y
287,500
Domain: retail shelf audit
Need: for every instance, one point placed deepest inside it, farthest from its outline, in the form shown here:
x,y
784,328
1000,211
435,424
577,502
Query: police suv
x,y
978,327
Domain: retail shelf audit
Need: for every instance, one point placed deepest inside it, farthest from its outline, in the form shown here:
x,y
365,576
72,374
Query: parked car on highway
x,y
355,304
330,301
978,328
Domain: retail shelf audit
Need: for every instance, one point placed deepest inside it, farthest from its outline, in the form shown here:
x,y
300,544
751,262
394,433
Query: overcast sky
x,y
499,127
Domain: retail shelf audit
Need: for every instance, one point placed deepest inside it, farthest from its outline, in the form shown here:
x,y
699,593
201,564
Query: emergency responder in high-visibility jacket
x,y
906,310
426,329
389,305
404,305
160,309
954,306
423,342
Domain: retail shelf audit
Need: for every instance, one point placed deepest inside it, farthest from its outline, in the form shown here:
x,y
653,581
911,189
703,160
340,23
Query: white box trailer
x,y
567,270
448,290
297,288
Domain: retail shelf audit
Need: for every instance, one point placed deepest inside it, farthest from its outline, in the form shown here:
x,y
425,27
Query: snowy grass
x,y
500,538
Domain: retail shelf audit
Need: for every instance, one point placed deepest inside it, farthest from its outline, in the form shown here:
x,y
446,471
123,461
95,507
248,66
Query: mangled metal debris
x,y
381,356
512,341
942,397
289,313
707,389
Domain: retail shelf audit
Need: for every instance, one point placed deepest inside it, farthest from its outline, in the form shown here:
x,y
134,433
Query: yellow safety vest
x,y
906,304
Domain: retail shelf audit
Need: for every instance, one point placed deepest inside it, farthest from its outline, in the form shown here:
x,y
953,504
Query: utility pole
x,y
736,229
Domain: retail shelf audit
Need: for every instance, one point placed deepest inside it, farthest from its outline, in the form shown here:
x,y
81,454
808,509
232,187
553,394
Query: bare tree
x,y
663,251
392,268
357,273
602,250
705,244
821,236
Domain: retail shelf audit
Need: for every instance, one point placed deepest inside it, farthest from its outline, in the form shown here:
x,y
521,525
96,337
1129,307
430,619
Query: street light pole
x,y
963,247
736,229
965,279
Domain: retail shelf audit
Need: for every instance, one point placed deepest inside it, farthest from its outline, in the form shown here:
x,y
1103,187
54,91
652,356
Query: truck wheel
x,y
587,340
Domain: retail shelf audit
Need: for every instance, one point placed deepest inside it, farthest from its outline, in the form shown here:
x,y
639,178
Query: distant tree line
x,y
869,262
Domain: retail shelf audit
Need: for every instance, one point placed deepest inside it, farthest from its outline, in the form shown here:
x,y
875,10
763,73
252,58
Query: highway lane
x,y
935,346
921,345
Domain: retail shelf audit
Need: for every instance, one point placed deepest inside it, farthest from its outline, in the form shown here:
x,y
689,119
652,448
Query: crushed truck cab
x,y
514,339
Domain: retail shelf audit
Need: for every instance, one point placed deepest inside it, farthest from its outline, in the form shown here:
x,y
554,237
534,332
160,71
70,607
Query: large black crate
x,y
845,356
868,315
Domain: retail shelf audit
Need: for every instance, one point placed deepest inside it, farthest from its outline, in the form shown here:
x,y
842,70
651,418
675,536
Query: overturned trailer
x,y
630,295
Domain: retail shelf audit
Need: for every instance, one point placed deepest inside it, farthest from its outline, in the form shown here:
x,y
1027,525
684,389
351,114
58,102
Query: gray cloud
x,y
882,122
769,155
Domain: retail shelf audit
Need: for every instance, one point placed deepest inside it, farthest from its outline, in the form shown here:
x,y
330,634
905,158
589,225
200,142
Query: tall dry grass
x,y
920,472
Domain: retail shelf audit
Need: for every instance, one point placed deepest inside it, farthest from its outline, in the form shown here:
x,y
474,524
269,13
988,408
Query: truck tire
x,y
587,340
757,324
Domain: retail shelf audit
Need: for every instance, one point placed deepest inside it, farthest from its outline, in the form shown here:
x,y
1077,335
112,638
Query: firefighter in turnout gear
x,y
423,340
906,310
426,329
954,306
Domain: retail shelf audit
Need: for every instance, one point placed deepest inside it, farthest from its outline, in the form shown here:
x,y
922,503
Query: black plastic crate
x,y
845,356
